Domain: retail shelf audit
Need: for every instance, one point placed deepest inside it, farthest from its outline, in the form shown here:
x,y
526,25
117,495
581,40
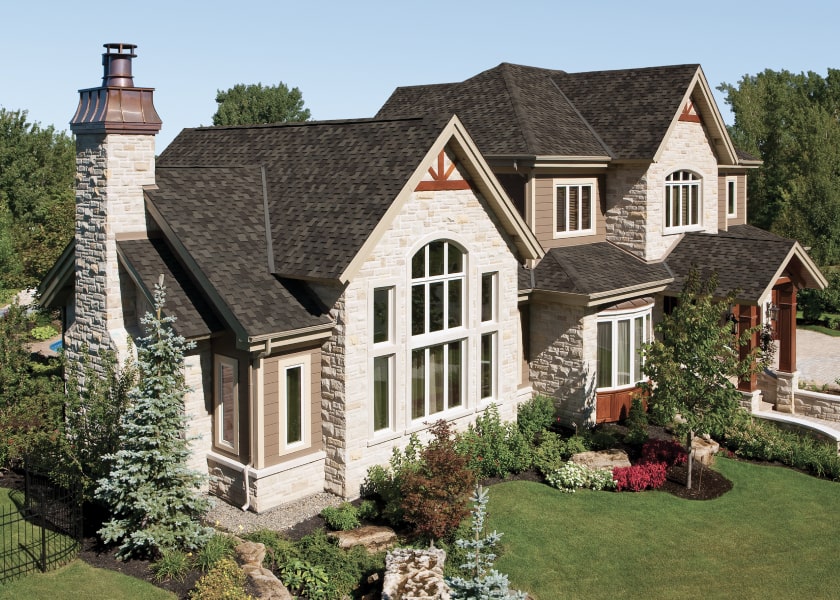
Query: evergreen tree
x,y
151,493
483,582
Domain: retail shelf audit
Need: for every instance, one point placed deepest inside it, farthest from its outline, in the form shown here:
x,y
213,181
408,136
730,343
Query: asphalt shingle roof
x,y
516,110
152,258
745,258
593,269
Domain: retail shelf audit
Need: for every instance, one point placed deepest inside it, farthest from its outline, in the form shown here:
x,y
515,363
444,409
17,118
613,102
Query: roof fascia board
x,y
810,267
59,275
286,340
187,260
484,179
717,126
595,300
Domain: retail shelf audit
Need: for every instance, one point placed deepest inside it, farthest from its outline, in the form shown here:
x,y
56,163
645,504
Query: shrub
x,y
602,440
341,518
278,550
535,417
345,569
172,564
435,494
225,581
554,451
493,448
637,423
639,477
384,484
310,581
572,476
217,547
669,452
44,332
368,510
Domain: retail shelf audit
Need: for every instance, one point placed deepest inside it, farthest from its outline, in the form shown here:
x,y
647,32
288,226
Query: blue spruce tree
x,y
152,495
483,582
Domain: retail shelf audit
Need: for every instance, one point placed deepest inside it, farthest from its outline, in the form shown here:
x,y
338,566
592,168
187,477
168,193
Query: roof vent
x,y
117,64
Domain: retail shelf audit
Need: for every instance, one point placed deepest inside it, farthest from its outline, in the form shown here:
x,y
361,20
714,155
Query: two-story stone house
x,y
347,282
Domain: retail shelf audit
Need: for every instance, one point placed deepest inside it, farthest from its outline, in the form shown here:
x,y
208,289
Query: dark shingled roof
x,y
595,269
328,185
519,110
149,259
745,258
217,215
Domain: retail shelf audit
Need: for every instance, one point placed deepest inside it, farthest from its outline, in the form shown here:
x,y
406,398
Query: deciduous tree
x,y
255,104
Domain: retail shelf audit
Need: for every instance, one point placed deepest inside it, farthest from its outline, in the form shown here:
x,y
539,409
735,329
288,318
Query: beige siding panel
x,y
544,212
272,409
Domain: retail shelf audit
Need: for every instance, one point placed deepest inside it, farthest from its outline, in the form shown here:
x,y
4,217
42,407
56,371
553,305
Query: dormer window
x,y
682,201
574,207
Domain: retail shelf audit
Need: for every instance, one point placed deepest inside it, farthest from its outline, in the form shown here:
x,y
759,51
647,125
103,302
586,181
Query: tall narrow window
x,y
227,410
488,365
383,360
682,200
574,206
295,402
488,297
731,197
438,303
382,315
294,408
382,367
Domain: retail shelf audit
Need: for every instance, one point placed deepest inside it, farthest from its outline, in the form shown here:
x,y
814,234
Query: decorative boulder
x,y
373,537
602,459
414,575
704,449
266,585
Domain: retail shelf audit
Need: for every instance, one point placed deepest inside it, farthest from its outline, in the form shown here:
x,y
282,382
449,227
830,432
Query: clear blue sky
x,y
347,57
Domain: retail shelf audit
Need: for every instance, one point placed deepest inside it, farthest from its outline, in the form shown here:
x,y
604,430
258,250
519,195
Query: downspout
x,y
245,470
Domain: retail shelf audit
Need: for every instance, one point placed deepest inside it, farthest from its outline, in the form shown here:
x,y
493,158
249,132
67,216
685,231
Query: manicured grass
x,y
820,329
775,535
80,581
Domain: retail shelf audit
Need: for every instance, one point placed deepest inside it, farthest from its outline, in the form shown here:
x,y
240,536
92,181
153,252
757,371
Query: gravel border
x,y
234,520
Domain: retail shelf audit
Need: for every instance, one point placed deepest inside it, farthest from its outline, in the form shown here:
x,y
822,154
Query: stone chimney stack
x,y
115,126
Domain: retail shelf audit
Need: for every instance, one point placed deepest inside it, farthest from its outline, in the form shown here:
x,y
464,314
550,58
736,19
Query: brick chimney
x,y
115,126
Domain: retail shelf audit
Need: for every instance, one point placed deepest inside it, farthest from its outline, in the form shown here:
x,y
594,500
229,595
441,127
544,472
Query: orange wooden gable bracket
x,y
440,178
687,115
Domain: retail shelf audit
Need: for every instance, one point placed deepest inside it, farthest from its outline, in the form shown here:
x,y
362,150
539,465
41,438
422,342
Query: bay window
x,y
621,335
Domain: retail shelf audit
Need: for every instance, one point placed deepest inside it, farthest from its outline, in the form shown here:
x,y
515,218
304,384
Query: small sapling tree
x,y
152,495
694,363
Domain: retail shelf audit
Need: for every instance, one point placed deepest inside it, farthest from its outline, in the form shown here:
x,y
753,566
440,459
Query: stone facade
x,y
817,404
460,217
111,171
627,209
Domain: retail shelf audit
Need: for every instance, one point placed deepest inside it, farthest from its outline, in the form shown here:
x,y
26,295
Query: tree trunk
x,y
690,459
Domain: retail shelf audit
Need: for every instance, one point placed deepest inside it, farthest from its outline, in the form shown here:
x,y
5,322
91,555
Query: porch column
x,y
787,328
748,319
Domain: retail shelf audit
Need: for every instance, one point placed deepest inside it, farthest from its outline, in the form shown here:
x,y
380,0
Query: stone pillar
x,y
788,383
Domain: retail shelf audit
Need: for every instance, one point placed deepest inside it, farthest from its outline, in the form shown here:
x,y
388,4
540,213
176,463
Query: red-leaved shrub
x,y
664,451
639,477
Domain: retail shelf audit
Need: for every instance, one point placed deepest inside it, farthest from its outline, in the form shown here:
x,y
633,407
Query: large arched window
x,y
438,334
683,206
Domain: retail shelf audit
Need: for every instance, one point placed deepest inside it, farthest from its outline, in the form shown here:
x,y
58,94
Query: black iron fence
x,y
41,526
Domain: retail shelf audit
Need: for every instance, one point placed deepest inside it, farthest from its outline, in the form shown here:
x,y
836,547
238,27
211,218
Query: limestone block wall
x,y
817,404
626,213
111,171
459,216
563,358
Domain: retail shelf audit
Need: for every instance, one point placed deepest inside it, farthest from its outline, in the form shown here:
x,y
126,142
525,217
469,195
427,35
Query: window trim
x,y
670,184
384,349
614,317
733,200
592,183
304,362
218,437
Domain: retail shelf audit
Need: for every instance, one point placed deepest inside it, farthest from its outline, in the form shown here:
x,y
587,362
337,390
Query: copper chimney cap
x,y
117,65
117,106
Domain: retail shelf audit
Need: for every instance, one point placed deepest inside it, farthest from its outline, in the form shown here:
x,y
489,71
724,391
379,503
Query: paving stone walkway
x,y
818,357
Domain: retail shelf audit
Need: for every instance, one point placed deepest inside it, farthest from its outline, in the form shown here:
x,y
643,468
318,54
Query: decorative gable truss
x,y
443,176
689,113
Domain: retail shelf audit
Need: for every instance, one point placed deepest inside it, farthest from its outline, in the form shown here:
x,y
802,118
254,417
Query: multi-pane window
x,y
437,329
682,200
574,205
383,360
227,410
487,351
620,340
731,197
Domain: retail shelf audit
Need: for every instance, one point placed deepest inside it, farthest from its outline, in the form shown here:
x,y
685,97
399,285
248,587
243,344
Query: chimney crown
x,y
117,106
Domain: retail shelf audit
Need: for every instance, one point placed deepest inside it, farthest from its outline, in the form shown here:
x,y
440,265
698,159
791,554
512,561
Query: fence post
x,y
43,520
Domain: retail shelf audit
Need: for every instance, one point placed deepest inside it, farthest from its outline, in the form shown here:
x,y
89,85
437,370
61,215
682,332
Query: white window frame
x,y
733,199
384,349
489,327
304,362
613,318
219,362
579,183
441,338
679,186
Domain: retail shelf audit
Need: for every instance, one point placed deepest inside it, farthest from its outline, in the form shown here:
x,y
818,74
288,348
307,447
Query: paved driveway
x,y
817,357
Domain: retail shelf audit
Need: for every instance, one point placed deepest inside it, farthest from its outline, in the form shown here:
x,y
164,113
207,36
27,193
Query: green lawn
x,y
80,581
775,535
